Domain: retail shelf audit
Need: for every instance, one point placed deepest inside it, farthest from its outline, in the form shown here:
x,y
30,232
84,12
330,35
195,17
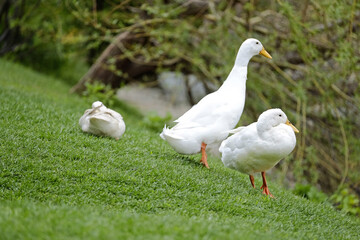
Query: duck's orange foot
x,y
266,191
252,180
204,160
205,163
204,156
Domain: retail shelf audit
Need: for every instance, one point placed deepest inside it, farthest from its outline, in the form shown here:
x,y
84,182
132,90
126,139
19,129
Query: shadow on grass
x,y
186,160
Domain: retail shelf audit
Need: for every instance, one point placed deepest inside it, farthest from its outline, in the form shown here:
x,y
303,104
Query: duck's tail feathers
x,y
162,134
167,133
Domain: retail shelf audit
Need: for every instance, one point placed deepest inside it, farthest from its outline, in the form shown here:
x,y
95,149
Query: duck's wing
x,y
186,125
236,130
244,137
103,122
84,120
88,113
114,114
103,117
210,108
236,146
107,113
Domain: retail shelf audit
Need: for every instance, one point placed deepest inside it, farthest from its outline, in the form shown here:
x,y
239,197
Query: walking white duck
x,y
102,121
260,145
213,116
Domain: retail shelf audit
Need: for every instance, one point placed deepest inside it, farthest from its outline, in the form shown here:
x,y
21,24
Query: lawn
x,y
59,183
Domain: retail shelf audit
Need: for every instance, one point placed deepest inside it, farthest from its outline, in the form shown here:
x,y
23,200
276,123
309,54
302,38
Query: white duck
x,y
260,145
102,121
210,119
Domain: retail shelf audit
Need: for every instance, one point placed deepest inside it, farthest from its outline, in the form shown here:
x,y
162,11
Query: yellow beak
x,y
265,53
292,126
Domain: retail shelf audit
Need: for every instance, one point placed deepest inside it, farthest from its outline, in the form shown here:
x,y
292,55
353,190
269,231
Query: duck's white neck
x,y
238,75
243,57
236,78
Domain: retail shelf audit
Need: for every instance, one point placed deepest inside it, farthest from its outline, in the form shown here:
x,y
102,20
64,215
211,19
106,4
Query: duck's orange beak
x,y
265,53
292,126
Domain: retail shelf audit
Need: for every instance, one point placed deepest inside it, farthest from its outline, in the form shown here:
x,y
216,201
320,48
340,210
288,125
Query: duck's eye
x,y
280,115
257,42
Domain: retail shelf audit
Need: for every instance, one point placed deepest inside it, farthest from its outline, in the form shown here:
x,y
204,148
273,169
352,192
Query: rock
x,y
174,86
182,89
197,89
150,100
172,96
295,74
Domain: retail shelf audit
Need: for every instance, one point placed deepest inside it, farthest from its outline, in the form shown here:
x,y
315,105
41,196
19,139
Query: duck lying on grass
x,y
260,145
102,121
210,120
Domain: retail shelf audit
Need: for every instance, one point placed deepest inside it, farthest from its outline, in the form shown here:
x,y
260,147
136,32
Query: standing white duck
x,y
102,121
210,119
260,145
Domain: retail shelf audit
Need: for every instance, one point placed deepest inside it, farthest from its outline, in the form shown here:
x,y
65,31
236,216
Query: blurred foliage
x,y
33,32
343,199
313,76
310,192
155,122
98,91
346,201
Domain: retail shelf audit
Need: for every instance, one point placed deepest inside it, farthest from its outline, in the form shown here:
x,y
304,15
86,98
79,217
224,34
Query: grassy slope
x,y
56,182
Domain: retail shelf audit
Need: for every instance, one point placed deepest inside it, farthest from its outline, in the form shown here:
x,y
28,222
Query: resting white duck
x,y
260,145
213,116
102,121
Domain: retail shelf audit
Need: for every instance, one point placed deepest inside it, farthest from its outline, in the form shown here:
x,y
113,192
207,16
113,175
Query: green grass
x,y
59,183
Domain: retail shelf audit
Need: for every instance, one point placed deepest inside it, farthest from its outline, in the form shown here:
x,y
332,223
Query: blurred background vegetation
x,y
313,76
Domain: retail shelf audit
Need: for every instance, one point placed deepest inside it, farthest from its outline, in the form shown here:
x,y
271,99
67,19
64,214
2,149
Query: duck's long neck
x,y
243,57
236,80
238,75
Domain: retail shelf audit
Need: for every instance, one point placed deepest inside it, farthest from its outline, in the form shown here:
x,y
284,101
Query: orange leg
x,y
264,187
252,180
203,155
